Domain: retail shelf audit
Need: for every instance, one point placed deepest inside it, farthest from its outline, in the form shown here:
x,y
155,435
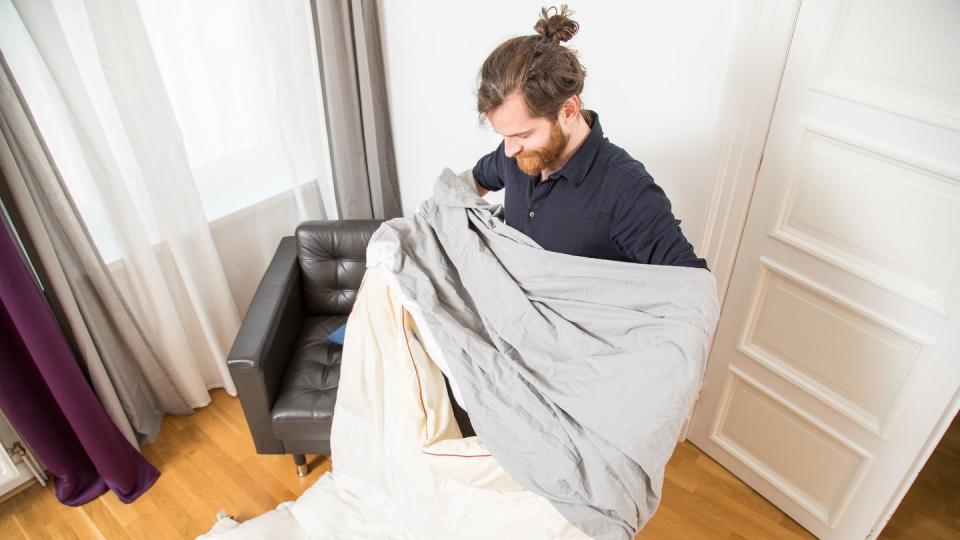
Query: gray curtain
x,y
355,101
121,364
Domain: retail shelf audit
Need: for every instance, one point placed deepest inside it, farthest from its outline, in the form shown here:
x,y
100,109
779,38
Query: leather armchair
x,y
285,371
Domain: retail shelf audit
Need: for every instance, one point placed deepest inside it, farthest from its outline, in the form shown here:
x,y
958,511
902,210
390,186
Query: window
x,y
243,80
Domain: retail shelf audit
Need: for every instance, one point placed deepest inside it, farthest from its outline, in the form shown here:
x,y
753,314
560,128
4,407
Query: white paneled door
x,y
836,365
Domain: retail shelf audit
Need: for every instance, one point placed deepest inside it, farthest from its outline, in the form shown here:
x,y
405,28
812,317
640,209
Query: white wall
x,y
655,74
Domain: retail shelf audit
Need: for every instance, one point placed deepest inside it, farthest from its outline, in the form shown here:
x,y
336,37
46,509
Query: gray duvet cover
x,y
577,373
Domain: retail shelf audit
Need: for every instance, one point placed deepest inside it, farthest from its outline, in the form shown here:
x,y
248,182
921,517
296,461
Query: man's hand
x,y
480,189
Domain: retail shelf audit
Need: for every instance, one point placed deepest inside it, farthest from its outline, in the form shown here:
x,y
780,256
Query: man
x,y
568,187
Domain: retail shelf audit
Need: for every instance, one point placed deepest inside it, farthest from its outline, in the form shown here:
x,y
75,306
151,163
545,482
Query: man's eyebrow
x,y
519,134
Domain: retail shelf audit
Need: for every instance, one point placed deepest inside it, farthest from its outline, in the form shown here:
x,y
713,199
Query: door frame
x,y
758,56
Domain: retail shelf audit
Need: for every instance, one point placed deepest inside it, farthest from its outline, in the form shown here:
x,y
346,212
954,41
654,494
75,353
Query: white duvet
x,y
401,469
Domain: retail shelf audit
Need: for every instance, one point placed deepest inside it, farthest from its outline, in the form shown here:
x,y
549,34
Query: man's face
x,y
537,143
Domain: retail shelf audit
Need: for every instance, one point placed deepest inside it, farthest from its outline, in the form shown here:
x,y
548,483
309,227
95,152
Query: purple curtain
x,y
45,395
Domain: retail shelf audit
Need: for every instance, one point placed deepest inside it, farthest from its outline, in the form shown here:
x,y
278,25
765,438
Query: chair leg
x,y
301,461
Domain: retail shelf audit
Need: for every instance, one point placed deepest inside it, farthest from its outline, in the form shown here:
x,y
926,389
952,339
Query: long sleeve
x,y
645,230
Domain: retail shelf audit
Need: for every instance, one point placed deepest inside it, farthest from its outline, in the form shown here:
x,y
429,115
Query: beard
x,y
534,161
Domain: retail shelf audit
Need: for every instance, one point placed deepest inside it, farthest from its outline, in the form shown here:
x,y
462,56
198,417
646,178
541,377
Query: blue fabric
x,y
337,335
601,204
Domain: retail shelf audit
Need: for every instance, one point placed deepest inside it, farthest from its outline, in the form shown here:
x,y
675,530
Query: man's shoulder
x,y
631,185
626,175
624,166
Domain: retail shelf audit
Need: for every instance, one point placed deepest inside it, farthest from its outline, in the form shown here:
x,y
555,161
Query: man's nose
x,y
511,149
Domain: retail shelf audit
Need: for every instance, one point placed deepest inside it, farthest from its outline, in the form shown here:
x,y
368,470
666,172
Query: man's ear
x,y
570,109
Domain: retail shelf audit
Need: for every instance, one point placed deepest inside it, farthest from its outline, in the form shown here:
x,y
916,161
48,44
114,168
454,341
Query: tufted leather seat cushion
x,y
308,392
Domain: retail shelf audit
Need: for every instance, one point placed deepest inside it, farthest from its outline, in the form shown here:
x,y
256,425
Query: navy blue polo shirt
x,y
601,204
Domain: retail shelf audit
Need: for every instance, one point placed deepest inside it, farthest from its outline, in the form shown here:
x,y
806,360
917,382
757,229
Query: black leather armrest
x,y
265,342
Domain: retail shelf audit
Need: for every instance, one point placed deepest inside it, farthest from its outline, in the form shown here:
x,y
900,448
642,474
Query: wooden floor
x,y
208,463
931,509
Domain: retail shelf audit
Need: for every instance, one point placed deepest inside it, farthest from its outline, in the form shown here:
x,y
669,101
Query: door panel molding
x,y
913,95
845,309
858,459
937,289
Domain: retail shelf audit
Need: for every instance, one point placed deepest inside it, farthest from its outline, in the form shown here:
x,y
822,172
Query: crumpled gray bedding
x,y
577,373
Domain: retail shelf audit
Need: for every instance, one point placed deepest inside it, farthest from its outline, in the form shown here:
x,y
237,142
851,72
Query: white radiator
x,y
17,463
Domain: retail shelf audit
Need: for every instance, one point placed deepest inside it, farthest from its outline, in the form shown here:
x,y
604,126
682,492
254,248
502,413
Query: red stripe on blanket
x,y
406,340
454,455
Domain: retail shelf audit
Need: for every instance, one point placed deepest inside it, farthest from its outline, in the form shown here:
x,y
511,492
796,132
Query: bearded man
x,y
567,186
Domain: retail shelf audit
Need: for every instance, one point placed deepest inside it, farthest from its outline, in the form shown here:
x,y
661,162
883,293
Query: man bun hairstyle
x,y
545,72
558,27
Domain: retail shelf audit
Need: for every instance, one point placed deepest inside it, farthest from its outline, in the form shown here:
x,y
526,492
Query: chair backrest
x,y
332,257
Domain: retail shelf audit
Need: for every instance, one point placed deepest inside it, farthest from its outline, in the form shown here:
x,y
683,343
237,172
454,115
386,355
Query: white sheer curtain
x,y
168,116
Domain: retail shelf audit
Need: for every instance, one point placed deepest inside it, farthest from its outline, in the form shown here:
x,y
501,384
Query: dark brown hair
x,y
546,72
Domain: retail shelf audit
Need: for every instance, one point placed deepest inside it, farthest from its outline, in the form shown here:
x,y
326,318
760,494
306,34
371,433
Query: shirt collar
x,y
576,168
